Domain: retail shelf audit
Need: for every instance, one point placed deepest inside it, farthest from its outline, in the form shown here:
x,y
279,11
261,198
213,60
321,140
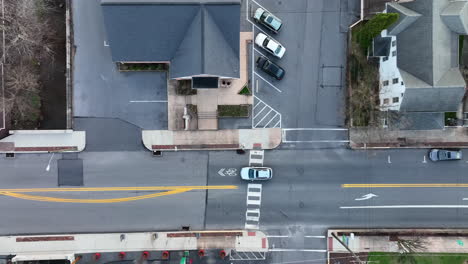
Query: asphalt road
x,y
305,197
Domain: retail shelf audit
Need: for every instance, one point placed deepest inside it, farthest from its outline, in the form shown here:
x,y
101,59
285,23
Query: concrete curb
x,y
43,141
229,139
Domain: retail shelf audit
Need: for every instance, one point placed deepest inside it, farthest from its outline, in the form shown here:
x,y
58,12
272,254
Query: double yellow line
x,y
167,190
407,185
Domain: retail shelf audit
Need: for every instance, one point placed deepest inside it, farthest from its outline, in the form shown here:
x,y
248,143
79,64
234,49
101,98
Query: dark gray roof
x,y
416,120
381,46
196,38
405,19
427,57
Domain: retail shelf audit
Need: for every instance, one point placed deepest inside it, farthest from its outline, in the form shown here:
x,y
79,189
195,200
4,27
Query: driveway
x,y
312,93
99,89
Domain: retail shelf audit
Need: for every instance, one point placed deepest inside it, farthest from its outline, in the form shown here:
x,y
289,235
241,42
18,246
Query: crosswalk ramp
x,y
264,116
256,158
254,201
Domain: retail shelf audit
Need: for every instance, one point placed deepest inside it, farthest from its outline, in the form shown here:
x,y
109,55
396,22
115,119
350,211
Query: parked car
x,y
270,45
268,20
256,173
444,154
270,67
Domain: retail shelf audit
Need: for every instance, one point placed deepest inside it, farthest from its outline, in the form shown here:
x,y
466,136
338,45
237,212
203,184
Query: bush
x,y
245,90
365,34
233,110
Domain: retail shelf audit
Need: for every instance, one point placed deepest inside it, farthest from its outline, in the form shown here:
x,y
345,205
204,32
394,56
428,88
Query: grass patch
x,y
245,90
418,258
143,66
450,118
233,110
372,28
184,87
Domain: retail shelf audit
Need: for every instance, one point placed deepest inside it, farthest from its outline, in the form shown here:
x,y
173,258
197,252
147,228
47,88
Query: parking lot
x,y
312,92
100,90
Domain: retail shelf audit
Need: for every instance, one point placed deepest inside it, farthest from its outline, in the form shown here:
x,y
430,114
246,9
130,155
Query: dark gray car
x,y
270,67
444,154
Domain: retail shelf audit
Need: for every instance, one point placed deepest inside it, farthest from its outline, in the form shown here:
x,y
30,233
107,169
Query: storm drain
x,y
70,172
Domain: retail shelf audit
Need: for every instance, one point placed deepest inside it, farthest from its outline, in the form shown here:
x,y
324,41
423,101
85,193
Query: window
x,y
401,94
394,53
395,80
385,83
402,83
396,99
385,58
394,43
385,101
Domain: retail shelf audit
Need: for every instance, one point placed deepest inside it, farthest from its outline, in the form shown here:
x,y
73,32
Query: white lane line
x,y
148,101
315,128
296,250
259,103
316,141
278,123
424,159
268,82
404,206
315,236
388,159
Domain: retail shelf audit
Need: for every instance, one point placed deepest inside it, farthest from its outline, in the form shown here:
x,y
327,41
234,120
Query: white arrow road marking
x,y
220,172
366,197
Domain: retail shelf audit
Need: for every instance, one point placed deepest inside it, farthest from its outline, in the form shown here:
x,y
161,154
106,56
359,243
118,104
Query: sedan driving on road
x,y
268,20
270,45
256,173
270,67
444,154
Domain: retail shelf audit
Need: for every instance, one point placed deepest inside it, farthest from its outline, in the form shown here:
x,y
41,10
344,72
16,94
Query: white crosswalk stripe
x,y
256,158
254,200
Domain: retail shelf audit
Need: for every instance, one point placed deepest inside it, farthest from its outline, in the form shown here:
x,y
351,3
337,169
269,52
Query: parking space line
x,y
273,118
267,82
265,116
260,111
257,114
261,53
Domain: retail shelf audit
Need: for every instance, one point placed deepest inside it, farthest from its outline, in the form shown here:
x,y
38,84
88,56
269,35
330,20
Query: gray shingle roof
x,y
455,17
196,38
428,58
406,18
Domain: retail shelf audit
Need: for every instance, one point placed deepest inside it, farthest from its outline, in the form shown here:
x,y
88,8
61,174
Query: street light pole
x,y
48,164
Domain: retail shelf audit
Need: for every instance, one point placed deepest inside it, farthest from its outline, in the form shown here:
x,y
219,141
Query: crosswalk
x,y
256,158
254,201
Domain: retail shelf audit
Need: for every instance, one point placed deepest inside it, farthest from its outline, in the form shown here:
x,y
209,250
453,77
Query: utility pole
x,y
350,251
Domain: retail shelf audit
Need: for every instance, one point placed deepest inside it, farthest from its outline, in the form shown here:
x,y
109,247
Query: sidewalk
x,y
379,138
386,240
37,141
68,246
265,138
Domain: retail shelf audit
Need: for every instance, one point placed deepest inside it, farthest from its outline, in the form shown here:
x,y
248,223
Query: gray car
x,y
444,154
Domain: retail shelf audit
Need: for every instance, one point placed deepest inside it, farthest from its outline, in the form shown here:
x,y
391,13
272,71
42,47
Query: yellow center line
x,y
167,190
113,189
407,185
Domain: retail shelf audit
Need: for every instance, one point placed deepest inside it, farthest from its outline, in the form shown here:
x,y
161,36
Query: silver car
x,y
444,154
256,173
268,20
